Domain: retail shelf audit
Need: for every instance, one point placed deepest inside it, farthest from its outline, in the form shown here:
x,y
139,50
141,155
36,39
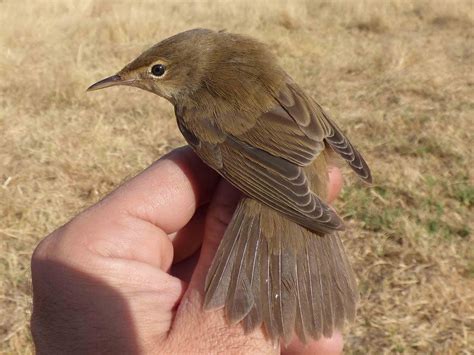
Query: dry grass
x,y
397,75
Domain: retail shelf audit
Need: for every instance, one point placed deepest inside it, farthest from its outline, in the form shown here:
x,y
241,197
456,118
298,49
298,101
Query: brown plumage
x,y
281,262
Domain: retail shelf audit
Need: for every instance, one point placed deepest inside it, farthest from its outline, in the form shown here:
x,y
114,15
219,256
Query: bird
x,y
281,264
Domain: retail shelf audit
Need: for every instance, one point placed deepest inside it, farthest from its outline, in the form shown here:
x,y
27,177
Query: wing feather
x,y
297,128
266,159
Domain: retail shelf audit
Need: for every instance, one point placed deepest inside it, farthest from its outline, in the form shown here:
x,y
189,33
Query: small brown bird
x,y
281,262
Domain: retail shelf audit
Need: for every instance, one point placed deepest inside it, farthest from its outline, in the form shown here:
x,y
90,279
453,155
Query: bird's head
x,y
170,68
206,67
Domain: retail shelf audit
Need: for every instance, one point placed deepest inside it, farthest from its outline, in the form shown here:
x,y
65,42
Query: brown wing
x,y
290,130
265,160
275,181
341,145
296,130
278,183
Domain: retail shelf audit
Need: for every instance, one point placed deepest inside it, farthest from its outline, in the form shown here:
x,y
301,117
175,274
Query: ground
x,y
396,75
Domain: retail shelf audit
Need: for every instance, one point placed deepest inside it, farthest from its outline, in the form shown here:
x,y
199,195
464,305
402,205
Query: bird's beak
x,y
110,81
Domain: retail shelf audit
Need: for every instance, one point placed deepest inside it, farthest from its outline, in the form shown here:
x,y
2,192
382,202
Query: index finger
x,y
167,193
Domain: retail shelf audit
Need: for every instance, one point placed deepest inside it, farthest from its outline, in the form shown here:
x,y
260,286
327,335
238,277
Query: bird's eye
x,y
158,69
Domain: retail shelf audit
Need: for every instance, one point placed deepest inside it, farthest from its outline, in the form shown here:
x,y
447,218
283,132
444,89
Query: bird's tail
x,y
269,270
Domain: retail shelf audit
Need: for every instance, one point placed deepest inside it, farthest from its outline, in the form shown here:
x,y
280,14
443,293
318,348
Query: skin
x,y
124,275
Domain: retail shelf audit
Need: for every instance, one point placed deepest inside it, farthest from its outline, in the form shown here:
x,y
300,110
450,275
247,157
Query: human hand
x,y
124,276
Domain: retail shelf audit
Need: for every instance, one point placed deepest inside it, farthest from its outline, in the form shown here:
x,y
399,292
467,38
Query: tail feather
x,y
219,275
315,292
303,304
254,317
238,301
346,281
327,288
282,275
282,281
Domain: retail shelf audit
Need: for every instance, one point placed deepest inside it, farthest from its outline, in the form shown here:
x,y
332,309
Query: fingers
x,y
326,346
335,183
189,239
167,193
106,268
102,275
186,244
133,222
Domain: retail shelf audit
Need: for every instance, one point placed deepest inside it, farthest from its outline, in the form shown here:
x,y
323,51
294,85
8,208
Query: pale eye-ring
x,y
158,70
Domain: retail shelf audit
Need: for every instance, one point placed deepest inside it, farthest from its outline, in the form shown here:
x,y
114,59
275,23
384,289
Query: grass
x,y
397,75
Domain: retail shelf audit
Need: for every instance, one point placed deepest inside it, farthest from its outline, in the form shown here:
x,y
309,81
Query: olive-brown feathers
x,y
219,72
